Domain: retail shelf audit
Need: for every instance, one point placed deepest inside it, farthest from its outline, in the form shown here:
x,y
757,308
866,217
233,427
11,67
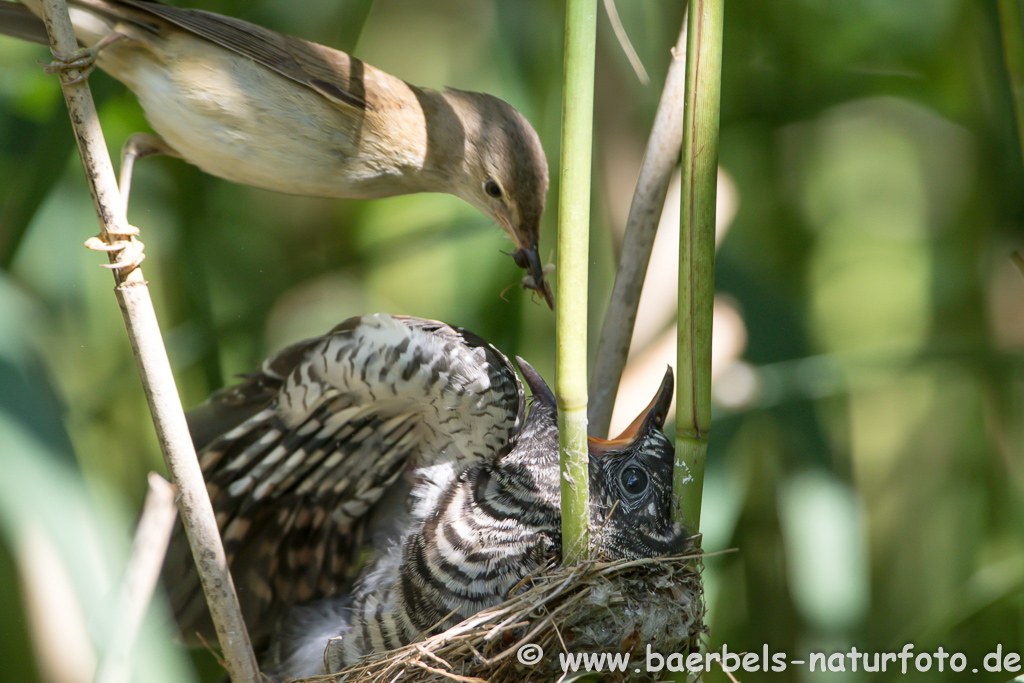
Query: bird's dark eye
x,y
634,480
492,188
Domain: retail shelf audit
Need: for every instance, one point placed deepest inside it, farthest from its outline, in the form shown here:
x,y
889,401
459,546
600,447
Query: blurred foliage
x,y
870,476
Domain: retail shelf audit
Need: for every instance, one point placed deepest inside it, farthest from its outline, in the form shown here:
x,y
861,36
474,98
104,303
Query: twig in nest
x,y
591,607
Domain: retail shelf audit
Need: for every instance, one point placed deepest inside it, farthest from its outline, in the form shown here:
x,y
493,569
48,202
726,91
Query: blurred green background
x,y
867,458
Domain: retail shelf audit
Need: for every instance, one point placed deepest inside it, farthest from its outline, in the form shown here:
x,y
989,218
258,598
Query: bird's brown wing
x,y
332,73
314,439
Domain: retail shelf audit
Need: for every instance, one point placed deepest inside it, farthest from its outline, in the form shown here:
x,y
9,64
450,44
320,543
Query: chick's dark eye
x,y
634,480
492,188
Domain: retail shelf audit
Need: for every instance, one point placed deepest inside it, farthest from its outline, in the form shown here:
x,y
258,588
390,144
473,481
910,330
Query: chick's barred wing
x,y
298,455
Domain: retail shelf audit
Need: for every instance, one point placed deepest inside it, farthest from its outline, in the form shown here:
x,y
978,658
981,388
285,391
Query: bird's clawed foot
x,y
122,240
130,250
82,60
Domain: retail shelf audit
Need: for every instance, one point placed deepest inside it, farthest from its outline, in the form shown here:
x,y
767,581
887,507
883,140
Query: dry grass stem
x,y
595,606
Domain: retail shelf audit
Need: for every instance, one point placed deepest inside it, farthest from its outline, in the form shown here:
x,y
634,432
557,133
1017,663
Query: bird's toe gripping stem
x,y
130,254
83,60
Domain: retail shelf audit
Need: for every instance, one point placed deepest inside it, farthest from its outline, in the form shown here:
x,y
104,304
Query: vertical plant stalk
x,y
697,254
152,536
154,368
1013,54
660,159
573,249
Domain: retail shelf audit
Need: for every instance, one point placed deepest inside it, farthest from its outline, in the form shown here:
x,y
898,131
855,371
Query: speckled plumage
x,y
299,456
409,439
492,525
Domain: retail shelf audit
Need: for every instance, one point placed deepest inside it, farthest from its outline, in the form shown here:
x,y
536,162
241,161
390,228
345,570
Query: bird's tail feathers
x,y
93,20
17,21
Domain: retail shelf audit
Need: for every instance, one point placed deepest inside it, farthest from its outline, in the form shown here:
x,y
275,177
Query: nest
x,y
593,607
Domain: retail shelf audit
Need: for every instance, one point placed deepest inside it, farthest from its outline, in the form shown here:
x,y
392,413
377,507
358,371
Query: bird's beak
x,y
538,387
528,258
652,417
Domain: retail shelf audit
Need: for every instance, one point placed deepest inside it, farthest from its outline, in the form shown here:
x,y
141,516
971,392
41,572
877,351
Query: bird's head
x,y
506,176
631,486
630,476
